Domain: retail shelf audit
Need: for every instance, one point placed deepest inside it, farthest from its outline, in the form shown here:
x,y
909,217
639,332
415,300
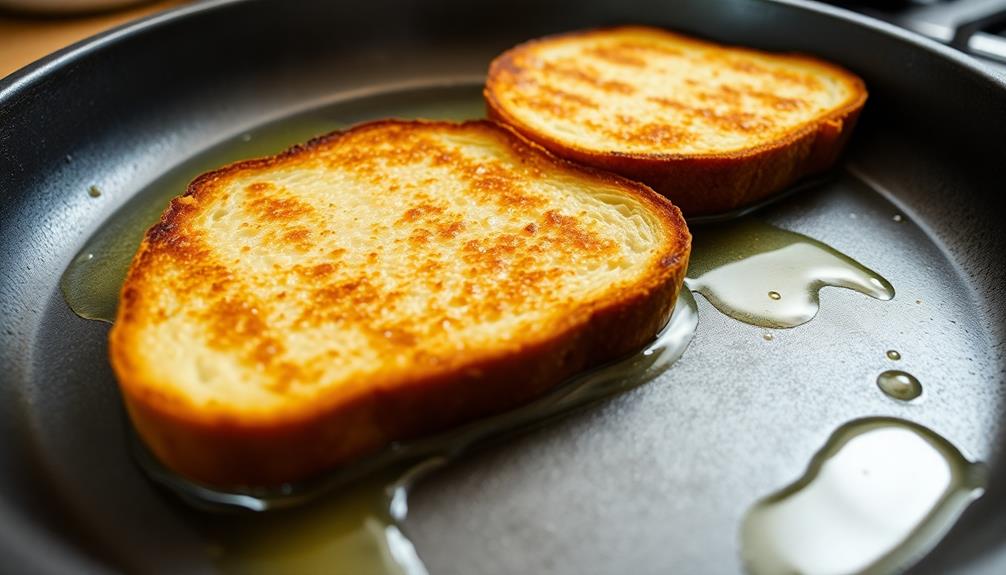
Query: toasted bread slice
x,y
712,127
294,312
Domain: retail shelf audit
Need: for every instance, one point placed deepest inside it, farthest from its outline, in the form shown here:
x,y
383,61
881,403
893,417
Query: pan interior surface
x,y
657,478
848,205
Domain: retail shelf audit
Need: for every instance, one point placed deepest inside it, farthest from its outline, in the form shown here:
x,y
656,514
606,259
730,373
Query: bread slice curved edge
x,y
706,183
229,450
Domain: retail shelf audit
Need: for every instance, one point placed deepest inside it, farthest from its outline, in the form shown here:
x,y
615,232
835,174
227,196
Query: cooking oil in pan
x,y
349,532
899,385
91,282
770,277
347,522
874,499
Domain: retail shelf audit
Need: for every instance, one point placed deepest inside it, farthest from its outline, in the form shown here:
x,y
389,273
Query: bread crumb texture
x,y
372,257
647,91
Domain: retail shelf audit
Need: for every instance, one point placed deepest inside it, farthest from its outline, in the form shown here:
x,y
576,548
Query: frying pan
x,y
653,481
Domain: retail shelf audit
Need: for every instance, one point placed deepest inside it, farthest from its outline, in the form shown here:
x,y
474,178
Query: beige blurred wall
x,y
25,38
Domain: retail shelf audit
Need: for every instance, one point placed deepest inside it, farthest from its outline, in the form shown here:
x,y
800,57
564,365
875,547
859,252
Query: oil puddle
x,y
348,521
90,284
879,495
351,532
770,277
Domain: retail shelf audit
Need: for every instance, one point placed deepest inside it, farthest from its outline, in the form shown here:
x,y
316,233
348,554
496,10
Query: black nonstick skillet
x,y
653,481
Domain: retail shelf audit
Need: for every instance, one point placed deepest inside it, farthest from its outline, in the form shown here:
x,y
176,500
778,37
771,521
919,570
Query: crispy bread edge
x,y
707,183
228,449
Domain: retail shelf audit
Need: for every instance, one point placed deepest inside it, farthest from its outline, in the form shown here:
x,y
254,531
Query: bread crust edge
x,y
706,183
223,449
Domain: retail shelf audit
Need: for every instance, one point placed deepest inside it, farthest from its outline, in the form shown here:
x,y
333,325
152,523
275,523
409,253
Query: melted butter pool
x,y
770,277
874,499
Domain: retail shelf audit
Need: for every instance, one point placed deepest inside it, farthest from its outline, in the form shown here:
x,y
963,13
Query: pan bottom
x,y
828,378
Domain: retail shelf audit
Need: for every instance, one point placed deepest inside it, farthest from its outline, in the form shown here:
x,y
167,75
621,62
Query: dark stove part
x,y
973,26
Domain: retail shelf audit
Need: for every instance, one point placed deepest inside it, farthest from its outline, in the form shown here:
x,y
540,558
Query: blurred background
x,y
977,27
30,29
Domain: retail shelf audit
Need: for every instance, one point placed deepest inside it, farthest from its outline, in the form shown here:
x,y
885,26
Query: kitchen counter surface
x,y
25,38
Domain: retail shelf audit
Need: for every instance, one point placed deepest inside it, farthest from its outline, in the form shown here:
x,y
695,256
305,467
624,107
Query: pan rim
x,y
35,75
38,71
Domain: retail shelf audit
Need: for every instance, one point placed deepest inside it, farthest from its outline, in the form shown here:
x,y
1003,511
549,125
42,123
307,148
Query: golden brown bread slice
x,y
291,313
711,127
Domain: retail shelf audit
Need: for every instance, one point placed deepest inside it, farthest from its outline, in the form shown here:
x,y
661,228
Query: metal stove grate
x,y
977,27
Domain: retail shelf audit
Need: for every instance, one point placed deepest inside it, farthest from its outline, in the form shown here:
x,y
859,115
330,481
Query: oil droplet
x,y
893,355
733,265
94,191
899,385
878,495
768,337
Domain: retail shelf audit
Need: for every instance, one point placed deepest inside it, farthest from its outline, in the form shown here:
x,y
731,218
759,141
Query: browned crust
x,y
707,183
218,446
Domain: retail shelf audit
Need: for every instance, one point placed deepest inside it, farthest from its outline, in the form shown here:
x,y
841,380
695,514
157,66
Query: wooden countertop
x,y
25,38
